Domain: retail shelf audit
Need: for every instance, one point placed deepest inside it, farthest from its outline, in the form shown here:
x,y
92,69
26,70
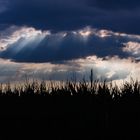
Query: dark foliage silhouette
x,y
71,110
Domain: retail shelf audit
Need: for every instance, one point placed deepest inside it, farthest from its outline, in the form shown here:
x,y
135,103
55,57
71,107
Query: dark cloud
x,y
63,46
50,14
115,4
58,15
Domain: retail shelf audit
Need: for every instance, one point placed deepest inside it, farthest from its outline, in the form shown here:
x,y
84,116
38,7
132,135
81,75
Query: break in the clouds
x,y
24,44
58,15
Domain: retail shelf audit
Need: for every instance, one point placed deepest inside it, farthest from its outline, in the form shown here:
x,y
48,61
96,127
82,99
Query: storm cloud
x,y
61,15
30,45
115,5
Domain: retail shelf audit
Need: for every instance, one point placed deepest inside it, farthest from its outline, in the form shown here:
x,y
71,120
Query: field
x,y
70,110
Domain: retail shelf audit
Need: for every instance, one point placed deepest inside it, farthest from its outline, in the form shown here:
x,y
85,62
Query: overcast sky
x,y
52,39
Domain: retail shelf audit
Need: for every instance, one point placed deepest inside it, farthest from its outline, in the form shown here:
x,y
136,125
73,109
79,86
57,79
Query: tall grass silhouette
x,y
72,110
72,88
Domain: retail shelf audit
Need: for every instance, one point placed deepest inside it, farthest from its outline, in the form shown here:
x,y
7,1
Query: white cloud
x,y
14,33
132,48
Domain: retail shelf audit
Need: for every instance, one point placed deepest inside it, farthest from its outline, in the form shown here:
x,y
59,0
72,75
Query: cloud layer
x,y
26,44
58,15
114,69
26,51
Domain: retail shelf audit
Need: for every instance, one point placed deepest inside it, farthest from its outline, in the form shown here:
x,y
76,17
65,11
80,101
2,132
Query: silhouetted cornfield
x,y
71,110
84,88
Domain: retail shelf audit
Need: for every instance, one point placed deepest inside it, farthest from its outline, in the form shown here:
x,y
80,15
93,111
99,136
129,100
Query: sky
x,y
56,39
